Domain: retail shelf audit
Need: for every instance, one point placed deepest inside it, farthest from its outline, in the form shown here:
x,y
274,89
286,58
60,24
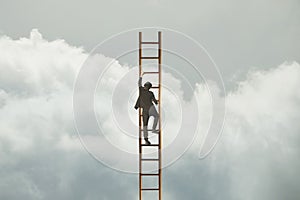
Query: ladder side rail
x,y
140,121
159,111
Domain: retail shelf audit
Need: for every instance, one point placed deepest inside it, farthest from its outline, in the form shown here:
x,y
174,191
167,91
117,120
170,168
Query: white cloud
x,y
262,134
41,156
257,156
36,86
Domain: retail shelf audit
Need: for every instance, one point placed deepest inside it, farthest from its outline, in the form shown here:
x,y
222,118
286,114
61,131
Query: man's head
x,y
147,85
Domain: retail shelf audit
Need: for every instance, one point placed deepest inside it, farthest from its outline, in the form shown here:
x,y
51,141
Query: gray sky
x,y
238,34
258,154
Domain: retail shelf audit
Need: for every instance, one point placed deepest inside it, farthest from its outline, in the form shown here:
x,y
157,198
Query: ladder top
x,y
150,188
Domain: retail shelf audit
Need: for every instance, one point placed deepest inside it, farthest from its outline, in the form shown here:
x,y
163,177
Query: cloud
x,y
41,156
257,156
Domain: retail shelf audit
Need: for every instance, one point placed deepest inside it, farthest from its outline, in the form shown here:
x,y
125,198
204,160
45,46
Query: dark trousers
x,y
146,115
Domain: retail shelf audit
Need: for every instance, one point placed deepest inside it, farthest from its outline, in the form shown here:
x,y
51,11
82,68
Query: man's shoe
x,y
155,131
147,141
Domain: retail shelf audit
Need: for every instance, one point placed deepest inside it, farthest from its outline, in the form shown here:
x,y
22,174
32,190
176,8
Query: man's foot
x,y
155,131
147,141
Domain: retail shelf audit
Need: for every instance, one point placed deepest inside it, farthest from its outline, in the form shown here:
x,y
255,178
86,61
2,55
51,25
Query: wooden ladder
x,y
159,144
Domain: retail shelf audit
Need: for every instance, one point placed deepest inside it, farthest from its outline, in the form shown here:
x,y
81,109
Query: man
x,y
145,99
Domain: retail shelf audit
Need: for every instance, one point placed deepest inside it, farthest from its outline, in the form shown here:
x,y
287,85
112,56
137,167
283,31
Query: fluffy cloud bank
x,y
257,156
41,156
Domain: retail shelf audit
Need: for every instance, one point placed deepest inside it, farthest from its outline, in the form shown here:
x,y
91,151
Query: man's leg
x,y
145,126
154,113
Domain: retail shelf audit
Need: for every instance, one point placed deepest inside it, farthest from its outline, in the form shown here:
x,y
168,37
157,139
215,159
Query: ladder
x,y
158,146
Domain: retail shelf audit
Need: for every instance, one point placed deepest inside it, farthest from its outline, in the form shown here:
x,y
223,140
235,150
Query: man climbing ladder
x,y
144,101
147,109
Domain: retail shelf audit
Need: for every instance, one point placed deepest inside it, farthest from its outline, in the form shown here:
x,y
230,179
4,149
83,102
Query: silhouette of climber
x,y
144,101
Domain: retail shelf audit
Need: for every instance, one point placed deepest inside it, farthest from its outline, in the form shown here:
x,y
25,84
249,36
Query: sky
x,y
43,47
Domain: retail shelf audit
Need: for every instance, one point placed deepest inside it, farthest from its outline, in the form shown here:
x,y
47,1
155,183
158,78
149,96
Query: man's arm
x,y
137,104
154,99
140,81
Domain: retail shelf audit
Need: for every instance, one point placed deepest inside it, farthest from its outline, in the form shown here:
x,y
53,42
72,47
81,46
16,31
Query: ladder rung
x,y
155,87
149,57
149,145
150,159
149,174
150,189
149,42
151,72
